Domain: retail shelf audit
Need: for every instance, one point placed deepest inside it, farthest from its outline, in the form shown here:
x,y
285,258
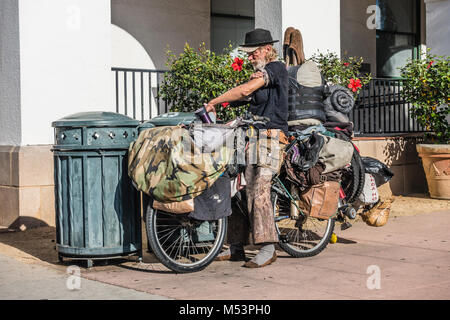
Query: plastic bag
x,y
378,170
369,193
378,215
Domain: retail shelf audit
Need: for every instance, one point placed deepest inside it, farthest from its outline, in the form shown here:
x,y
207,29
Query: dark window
x,y
230,20
397,35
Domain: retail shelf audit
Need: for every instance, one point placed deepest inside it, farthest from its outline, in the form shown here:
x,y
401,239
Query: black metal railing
x,y
381,110
136,92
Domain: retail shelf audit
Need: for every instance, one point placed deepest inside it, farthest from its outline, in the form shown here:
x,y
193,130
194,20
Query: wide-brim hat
x,y
255,39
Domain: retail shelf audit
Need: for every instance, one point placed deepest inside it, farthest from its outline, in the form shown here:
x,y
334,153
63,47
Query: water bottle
x,y
204,116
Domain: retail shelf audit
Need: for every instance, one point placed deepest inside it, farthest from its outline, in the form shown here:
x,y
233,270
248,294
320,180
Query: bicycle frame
x,y
277,185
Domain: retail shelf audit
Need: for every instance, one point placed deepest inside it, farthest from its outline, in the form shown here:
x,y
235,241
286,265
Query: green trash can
x,y
145,125
97,207
170,119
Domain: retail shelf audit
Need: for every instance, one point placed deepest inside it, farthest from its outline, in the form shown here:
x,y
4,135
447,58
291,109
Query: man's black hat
x,y
255,39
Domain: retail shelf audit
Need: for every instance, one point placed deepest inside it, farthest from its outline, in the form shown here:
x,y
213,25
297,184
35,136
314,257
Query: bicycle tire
x,y
355,185
358,177
165,258
295,251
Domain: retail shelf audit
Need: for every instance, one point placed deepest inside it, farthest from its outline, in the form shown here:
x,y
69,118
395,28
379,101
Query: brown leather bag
x,y
175,207
321,200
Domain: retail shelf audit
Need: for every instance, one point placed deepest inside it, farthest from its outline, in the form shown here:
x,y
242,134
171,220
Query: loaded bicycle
x,y
185,244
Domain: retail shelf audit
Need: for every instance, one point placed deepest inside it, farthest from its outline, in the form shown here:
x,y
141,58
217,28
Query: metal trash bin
x,y
97,207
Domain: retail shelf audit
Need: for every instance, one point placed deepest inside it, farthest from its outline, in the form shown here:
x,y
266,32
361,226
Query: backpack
x,y
307,91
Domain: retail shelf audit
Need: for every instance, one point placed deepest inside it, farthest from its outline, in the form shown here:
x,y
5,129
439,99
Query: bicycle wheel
x,y
305,237
354,177
353,180
183,244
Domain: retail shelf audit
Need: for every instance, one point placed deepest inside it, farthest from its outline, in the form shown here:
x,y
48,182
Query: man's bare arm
x,y
236,93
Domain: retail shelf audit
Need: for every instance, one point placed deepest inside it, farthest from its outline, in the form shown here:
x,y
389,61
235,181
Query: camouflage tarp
x,y
164,162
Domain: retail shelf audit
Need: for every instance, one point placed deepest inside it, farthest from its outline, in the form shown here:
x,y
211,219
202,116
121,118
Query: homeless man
x,y
267,92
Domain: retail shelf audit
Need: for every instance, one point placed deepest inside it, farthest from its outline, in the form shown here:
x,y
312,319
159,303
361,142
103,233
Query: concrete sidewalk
x,y
19,281
411,255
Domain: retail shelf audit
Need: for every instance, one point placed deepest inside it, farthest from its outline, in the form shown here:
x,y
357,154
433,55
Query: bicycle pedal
x,y
346,225
283,238
350,212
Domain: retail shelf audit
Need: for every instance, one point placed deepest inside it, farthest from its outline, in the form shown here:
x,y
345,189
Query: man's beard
x,y
259,64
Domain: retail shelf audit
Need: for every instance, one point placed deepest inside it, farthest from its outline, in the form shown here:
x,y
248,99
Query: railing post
x,y
124,95
384,100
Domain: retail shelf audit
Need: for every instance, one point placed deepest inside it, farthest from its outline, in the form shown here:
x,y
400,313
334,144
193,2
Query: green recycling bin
x,y
97,207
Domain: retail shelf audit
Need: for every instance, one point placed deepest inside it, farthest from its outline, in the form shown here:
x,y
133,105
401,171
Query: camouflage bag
x,y
165,163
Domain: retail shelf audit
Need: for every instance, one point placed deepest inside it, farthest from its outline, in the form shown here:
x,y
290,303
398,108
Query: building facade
x,y
56,59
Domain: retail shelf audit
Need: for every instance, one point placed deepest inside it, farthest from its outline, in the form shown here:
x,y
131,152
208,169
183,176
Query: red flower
x,y
429,65
354,84
225,104
346,64
237,64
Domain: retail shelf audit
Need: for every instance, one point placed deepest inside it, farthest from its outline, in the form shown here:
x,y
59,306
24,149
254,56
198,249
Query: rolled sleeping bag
x,y
336,116
338,104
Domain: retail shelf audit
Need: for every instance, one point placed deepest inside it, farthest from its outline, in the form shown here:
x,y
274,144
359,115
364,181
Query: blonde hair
x,y
272,55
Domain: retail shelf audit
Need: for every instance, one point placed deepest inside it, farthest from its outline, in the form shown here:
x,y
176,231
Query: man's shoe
x,y
251,264
228,256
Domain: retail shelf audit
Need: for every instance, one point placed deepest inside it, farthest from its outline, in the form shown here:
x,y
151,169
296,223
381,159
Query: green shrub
x,y
197,76
427,88
344,72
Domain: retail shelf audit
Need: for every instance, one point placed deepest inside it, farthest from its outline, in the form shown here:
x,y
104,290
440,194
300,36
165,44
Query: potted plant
x,y
197,76
427,88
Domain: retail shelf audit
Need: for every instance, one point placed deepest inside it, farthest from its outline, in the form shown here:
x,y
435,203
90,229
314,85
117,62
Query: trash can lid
x,y
95,119
173,119
146,125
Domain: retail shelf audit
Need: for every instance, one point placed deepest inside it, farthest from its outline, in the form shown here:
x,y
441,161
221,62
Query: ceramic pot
x,y
436,164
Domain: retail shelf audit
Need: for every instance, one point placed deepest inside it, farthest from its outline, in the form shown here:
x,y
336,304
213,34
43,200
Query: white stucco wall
x,y
158,24
268,15
10,123
127,51
317,20
438,26
65,62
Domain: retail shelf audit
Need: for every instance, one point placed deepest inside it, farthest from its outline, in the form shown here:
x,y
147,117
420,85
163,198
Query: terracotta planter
x,y
436,163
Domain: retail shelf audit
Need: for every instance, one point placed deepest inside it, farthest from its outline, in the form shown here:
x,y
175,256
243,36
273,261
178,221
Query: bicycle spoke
x,y
168,237
173,244
178,240
300,238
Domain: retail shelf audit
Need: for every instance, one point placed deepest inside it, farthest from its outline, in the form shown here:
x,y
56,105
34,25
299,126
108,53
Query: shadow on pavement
x,y
146,267
345,241
41,243
38,242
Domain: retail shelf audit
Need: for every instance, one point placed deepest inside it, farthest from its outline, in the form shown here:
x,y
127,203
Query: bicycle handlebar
x,y
260,118
254,119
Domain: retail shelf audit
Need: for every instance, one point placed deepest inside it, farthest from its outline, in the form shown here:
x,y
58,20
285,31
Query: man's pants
x,y
259,227
260,210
